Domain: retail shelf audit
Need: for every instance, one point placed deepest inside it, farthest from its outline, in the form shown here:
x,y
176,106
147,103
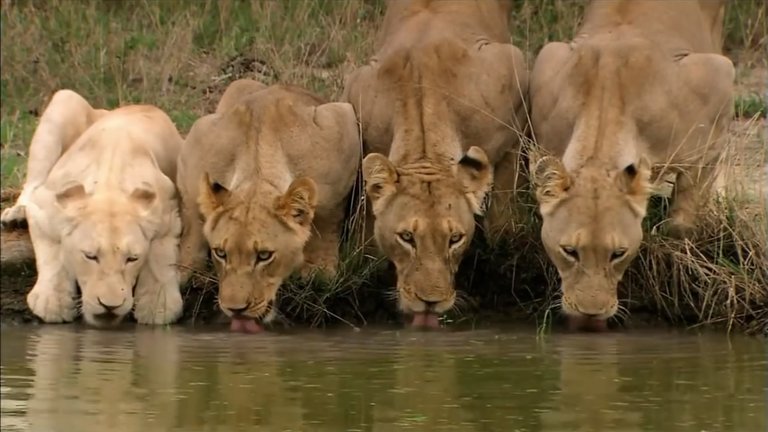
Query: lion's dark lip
x,y
107,319
258,319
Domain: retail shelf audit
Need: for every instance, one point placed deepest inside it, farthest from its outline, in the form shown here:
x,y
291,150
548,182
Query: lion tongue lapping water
x,y
245,325
425,319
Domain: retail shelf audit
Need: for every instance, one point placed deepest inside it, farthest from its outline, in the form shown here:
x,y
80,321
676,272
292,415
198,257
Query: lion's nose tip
x,y
238,310
109,308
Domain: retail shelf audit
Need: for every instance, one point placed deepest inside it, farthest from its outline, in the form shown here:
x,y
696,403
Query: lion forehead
x,y
248,227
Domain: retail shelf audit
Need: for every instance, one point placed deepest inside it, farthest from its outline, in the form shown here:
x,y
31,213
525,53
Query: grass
x,y
180,56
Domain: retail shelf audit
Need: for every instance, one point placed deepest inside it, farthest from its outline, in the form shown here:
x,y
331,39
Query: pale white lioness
x,y
440,105
270,172
102,213
642,83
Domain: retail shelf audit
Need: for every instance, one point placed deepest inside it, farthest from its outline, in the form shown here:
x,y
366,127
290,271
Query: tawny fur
x,y
269,171
102,212
642,88
440,106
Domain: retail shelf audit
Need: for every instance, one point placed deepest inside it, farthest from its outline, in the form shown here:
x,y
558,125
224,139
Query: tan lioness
x,y
440,105
642,83
102,213
270,172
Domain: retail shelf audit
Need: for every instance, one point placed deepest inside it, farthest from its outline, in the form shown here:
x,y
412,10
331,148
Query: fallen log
x,y
15,248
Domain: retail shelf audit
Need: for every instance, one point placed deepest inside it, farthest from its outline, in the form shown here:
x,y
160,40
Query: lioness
x,y
270,172
440,105
102,213
642,83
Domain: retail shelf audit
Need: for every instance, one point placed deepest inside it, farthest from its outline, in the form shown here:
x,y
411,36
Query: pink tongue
x,y
576,323
425,319
244,325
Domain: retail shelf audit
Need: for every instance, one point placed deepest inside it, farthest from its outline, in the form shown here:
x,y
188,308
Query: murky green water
x,y
64,378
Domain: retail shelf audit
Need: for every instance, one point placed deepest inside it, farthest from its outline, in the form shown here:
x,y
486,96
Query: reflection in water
x,y
61,378
590,396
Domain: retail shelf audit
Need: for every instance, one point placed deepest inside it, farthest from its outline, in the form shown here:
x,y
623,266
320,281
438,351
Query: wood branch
x,y
15,248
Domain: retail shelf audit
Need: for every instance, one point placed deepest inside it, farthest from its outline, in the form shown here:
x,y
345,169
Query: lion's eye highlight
x,y
91,256
618,254
406,236
220,253
570,252
455,238
264,255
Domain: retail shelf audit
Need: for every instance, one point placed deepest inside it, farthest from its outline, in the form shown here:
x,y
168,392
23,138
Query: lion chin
x,y
425,319
245,325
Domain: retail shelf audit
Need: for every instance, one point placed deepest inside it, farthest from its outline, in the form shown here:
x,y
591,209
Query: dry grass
x,y
180,56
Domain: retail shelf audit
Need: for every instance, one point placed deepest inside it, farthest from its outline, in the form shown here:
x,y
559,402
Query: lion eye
x,y
406,236
220,253
455,238
262,256
91,256
132,258
618,254
570,252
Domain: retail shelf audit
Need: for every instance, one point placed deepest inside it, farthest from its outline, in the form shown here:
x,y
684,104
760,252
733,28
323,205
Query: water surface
x,y
68,378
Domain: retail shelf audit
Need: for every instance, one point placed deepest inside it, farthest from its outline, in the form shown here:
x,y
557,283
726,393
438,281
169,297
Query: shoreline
x,y
17,275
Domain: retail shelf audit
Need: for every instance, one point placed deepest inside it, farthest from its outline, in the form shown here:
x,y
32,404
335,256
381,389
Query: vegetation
x,y
180,56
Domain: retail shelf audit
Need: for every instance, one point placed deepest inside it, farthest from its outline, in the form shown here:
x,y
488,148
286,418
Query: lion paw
x,y
680,228
164,309
324,270
50,306
14,217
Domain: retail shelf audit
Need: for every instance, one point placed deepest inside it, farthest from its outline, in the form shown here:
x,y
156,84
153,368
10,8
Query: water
x,y
65,378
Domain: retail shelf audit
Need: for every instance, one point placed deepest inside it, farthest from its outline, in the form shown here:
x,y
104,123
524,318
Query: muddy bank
x,y
487,278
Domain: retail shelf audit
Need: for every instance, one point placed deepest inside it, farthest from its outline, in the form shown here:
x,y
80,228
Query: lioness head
x,y
424,223
255,244
592,229
105,243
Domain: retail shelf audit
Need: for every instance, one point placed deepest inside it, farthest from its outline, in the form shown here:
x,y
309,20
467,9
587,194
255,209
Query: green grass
x,y
180,55
751,105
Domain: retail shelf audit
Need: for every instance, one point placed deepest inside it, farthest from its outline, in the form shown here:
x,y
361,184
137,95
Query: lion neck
x,y
263,171
426,141
605,137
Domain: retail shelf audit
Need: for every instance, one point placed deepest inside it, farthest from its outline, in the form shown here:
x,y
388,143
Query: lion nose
x,y
238,310
109,308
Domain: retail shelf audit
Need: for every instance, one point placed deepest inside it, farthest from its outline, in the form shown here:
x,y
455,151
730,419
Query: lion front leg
x,y
65,118
690,192
192,249
52,298
158,298
321,253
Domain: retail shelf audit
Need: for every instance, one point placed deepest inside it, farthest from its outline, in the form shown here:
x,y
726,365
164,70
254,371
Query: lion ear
x,y
297,204
475,174
635,181
212,195
71,196
380,178
552,182
144,198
